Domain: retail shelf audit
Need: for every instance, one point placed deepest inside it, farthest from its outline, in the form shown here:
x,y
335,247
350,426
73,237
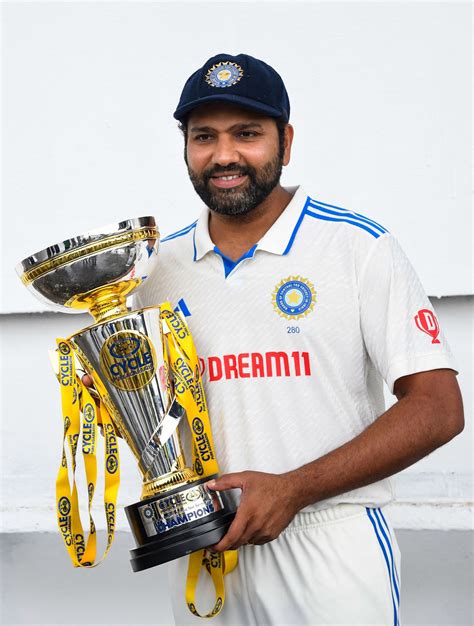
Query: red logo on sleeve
x,y
426,321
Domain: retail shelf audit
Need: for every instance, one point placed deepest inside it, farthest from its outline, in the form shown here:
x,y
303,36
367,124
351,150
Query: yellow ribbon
x,y
182,359
189,390
76,402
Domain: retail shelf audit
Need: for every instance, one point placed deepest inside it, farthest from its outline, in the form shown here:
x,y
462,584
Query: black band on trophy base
x,y
180,544
178,522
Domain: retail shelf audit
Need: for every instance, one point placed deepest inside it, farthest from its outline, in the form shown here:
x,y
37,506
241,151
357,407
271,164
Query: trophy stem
x,y
106,303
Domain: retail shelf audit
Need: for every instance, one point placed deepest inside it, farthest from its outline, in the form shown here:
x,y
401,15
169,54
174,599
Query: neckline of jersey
x,y
229,264
277,240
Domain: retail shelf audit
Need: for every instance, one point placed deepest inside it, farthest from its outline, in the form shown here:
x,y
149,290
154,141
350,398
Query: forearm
x,y
408,431
428,414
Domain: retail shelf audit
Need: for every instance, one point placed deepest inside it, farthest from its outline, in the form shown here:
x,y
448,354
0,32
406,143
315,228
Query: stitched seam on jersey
x,y
368,258
344,212
417,355
353,222
180,233
360,282
413,359
356,215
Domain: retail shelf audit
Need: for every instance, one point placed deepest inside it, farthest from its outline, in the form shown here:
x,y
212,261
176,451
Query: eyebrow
x,y
234,127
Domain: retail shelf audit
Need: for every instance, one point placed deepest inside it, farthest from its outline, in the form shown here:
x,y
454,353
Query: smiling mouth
x,y
227,181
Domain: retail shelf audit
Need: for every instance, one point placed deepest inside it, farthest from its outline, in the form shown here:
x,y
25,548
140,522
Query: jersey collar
x,y
277,240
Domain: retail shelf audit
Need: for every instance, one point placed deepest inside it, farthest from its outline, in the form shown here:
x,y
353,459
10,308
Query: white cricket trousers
x,y
336,566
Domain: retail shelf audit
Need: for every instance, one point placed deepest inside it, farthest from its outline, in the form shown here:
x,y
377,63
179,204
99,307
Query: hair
x,y
281,124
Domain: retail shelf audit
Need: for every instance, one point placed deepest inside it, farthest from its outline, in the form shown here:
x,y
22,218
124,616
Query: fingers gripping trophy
x,y
146,376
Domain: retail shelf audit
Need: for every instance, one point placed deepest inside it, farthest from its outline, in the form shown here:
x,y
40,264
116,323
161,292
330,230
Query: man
x,y
299,310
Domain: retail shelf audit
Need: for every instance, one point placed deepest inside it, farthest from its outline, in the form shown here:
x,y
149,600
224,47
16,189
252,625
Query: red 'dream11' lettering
x,y
307,364
257,365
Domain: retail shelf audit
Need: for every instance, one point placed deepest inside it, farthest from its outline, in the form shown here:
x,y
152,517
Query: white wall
x,y
380,102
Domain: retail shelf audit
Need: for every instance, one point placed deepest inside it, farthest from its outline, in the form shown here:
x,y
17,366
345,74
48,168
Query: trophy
x,y
127,354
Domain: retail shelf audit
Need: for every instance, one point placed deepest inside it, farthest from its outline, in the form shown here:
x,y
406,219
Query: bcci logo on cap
x,y
294,297
224,74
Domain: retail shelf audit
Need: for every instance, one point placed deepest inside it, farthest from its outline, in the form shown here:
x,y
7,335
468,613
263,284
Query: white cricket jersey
x,y
296,337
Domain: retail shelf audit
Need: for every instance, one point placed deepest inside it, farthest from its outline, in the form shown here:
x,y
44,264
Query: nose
x,y
225,151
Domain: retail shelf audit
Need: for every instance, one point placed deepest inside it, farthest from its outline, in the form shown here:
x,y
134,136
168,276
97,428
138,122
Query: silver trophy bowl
x,y
124,353
68,274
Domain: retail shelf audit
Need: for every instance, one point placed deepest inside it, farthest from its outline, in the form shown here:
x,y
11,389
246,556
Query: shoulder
x,y
179,243
346,233
180,236
182,232
349,237
175,254
339,219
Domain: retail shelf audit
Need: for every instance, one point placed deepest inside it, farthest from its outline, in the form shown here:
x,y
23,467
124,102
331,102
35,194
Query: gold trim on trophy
x,y
170,481
84,251
105,302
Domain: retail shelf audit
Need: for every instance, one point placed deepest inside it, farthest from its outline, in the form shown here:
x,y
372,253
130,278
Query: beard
x,y
244,198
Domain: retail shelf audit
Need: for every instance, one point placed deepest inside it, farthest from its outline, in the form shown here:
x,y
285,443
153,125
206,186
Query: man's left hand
x,y
266,507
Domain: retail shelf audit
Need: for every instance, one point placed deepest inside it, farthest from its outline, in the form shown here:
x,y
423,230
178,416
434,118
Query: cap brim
x,y
181,112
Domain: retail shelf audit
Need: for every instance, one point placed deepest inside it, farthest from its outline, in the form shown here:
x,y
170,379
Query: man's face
x,y
233,156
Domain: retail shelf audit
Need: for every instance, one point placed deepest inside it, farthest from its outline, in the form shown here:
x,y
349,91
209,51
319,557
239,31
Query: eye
x,y
203,137
247,134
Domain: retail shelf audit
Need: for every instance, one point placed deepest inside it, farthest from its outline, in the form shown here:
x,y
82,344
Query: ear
x,y
289,134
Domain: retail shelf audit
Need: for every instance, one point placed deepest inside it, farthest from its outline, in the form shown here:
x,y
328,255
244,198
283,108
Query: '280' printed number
x,y
292,329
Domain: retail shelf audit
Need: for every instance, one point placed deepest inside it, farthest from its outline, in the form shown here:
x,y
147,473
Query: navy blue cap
x,y
242,80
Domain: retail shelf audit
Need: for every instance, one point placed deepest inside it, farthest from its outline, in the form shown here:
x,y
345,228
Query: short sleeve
x,y
399,326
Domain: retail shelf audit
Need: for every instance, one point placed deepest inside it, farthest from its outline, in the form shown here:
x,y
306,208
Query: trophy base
x,y
178,522
159,552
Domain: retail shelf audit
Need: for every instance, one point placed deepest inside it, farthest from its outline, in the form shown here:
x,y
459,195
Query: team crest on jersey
x,y
224,74
294,297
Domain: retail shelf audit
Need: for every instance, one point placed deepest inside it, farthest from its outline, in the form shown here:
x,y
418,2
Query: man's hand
x,y
87,380
266,508
427,415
